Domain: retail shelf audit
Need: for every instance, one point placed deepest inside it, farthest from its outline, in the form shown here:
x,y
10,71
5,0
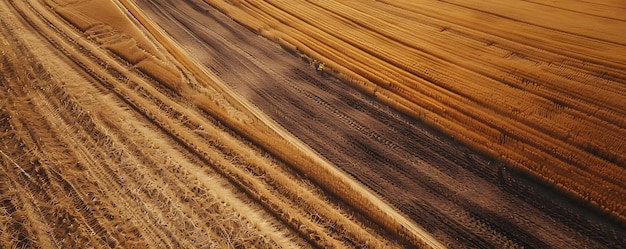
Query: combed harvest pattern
x,y
312,124
108,141
543,92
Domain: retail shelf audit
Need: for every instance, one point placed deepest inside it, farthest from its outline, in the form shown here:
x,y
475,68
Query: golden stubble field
x,y
537,84
114,135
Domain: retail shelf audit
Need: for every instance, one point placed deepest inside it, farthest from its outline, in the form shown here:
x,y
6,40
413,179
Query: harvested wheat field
x,y
312,124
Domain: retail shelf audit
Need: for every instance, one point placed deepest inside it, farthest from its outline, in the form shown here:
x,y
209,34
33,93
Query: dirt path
x,y
463,198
